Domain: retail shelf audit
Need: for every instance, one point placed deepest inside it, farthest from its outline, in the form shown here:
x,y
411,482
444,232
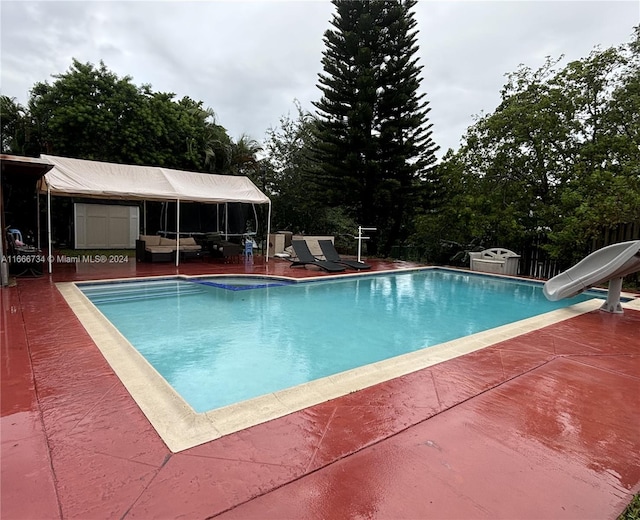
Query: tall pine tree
x,y
373,140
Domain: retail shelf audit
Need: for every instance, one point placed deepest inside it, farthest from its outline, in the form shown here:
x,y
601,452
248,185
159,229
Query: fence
x,y
535,262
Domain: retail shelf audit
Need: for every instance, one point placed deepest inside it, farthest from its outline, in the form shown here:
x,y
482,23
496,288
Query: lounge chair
x,y
24,260
330,254
304,257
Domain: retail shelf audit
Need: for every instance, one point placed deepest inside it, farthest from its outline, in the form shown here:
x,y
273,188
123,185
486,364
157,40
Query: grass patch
x,y
632,511
94,252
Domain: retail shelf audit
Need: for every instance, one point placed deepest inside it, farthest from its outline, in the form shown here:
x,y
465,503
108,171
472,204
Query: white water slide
x,y
609,264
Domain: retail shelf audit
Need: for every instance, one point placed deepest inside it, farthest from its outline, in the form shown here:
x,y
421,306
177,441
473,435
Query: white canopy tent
x,y
83,178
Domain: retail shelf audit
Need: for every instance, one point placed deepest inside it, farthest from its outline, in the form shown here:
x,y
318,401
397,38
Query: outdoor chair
x,y
304,258
24,260
330,254
220,248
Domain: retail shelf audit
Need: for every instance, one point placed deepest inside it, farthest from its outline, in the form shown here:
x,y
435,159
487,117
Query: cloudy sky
x,y
249,61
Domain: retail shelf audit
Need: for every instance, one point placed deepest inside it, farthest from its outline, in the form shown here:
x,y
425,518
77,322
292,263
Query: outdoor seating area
x,y
323,255
331,254
304,258
216,246
495,260
154,248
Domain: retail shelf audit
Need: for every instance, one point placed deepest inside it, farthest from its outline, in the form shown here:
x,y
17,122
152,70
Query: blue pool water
x,y
219,341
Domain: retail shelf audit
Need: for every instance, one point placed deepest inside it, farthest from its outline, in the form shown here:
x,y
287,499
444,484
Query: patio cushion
x,y
160,249
150,240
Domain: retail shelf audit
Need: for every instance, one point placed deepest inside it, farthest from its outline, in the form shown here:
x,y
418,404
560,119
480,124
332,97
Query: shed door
x,y
102,226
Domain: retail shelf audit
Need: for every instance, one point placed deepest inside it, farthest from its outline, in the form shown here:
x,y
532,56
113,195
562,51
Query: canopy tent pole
x,y
144,217
255,217
217,218
268,231
38,215
4,264
50,253
177,232
226,221
166,216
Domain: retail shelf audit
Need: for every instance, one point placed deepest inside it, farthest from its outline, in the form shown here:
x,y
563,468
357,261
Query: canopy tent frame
x,y
164,217
93,179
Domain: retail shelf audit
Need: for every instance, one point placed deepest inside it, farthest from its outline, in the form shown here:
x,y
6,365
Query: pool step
x,y
131,291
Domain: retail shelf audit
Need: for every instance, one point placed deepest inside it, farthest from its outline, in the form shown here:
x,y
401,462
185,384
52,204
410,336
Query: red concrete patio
x,y
542,426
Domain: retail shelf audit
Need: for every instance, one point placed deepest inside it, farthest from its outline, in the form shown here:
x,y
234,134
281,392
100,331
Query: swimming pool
x,y
217,342
280,322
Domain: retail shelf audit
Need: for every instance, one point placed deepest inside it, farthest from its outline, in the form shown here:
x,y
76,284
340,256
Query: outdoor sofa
x,y
154,248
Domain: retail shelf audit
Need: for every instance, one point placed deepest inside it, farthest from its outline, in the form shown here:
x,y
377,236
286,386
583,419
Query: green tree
x,y
373,142
288,159
216,144
89,112
558,158
244,157
15,129
288,174
604,190
522,152
84,111
171,132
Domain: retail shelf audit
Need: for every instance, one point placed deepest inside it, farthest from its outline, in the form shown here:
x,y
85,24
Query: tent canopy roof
x,y
19,165
78,177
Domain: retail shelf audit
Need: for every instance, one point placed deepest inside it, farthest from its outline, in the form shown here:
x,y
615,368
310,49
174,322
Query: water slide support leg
x,y
613,297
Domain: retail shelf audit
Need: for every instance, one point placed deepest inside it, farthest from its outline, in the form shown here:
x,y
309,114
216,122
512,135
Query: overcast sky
x,y
248,61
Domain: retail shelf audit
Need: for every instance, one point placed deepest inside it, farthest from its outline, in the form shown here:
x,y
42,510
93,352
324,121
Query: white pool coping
x,y
180,427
